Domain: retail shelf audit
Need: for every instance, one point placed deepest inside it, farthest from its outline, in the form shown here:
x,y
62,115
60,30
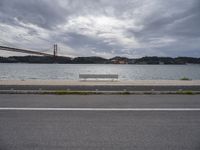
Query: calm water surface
x,y
71,71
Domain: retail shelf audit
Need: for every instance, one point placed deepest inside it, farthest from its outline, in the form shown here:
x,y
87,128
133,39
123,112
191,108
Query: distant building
x,y
119,60
161,63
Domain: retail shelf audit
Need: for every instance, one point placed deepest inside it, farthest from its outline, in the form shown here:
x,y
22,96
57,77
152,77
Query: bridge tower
x,y
55,50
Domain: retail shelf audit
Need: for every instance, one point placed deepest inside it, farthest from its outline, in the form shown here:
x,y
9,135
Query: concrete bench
x,y
98,77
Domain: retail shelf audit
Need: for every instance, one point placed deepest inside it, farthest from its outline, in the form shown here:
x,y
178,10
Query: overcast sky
x,y
107,28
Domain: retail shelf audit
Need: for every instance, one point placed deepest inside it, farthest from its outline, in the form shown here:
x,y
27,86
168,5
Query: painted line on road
x,y
99,109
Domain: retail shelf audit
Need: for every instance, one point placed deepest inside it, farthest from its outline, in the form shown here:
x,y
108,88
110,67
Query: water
x,y
71,71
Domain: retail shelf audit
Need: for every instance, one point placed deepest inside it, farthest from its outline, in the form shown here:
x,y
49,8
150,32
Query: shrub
x,y
185,79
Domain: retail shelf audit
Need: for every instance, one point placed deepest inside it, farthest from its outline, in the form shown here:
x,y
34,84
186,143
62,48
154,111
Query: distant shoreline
x,y
98,64
99,60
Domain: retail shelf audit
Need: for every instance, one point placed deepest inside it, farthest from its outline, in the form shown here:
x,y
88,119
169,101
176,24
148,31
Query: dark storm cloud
x,y
185,23
40,12
79,40
131,28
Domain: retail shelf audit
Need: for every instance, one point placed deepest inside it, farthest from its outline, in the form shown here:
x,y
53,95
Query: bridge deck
x,y
23,51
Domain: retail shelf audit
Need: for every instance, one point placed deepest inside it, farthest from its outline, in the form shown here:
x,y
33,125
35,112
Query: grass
x,y
125,93
185,79
66,92
185,92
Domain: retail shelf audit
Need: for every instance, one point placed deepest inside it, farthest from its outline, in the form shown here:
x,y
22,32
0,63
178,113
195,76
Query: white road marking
x,y
99,109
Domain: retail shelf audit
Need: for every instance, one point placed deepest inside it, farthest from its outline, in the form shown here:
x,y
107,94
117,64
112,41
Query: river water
x,y
71,71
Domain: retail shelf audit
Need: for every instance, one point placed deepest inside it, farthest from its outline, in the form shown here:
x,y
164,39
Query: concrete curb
x,y
97,92
118,88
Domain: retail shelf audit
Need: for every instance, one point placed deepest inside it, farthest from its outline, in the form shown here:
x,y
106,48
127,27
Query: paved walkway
x,y
93,83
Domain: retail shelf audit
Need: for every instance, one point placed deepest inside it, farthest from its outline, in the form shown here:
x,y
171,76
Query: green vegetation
x,y
99,60
125,93
185,79
66,92
188,92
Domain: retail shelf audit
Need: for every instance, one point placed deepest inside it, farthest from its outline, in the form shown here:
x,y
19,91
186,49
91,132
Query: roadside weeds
x,y
69,92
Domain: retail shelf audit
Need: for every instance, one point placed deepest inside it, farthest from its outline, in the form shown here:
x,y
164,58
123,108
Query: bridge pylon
x,y
55,50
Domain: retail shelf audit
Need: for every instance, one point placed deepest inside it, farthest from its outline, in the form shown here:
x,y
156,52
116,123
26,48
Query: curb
x,y
67,92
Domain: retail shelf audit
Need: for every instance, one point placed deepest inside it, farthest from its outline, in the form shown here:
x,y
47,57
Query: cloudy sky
x,y
107,28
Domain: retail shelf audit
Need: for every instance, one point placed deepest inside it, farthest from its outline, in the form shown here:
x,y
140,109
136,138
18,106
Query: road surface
x,y
49,122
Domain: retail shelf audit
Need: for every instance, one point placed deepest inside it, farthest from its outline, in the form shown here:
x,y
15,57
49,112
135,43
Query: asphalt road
x,y
103,130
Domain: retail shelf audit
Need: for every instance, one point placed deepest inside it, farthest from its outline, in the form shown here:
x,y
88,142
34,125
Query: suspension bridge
x,y
28,51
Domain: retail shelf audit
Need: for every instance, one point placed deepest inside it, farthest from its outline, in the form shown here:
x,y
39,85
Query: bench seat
x,y
98,76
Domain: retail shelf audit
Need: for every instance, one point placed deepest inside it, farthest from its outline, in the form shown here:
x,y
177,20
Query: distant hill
x,y
89,60
35,59
167,60
99,60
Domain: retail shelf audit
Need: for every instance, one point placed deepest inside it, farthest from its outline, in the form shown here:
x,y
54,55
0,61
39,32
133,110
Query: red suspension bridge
x,y
27,51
